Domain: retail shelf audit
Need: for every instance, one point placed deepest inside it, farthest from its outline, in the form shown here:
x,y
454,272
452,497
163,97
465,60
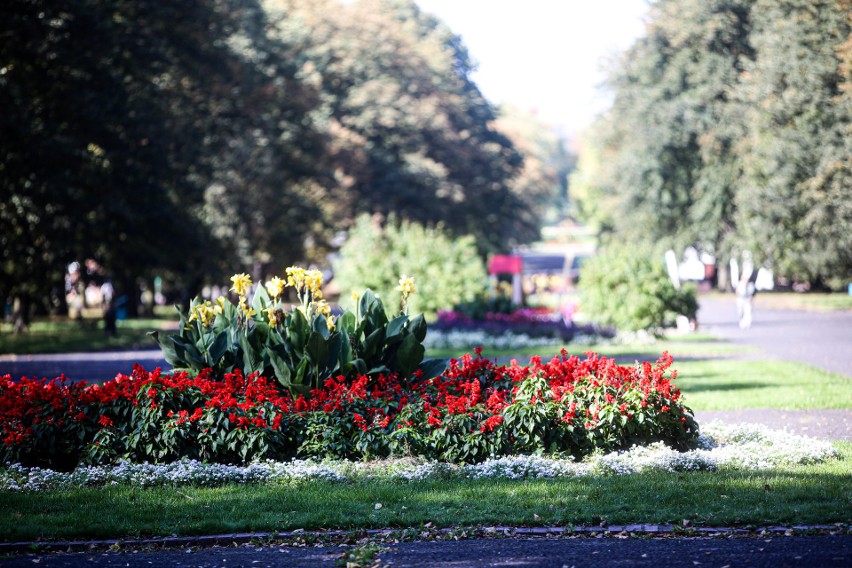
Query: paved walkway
x,y
821,339
767,551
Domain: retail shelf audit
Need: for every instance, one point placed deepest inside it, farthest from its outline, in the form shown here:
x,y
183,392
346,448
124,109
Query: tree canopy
x,y
730,130
216,135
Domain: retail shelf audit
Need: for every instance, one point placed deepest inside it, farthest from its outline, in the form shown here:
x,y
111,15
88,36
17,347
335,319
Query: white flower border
x,y
722,446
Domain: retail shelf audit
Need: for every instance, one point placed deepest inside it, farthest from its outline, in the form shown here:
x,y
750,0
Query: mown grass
x,y
732,385
820,493
63,335
710,381
699,346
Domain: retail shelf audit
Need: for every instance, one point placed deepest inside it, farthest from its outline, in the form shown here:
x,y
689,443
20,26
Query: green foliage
x,y
285,119
794,204
409,132
447,271
484,304
730,129
630,290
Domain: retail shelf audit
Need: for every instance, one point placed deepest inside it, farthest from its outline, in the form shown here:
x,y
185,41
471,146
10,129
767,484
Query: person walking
x,y
745,294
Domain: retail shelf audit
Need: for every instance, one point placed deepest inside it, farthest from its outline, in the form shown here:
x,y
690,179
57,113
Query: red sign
x,y
505,264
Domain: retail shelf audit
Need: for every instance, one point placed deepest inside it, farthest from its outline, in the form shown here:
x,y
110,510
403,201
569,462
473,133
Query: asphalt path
x,y
772,551
821,339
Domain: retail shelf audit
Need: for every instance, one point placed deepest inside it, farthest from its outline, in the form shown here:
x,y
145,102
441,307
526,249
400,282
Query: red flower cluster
x,y
473,400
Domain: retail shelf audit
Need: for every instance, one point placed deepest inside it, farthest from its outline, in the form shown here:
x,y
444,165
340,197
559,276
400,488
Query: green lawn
x,y
699,345
713,378
62,335
727,385
820,493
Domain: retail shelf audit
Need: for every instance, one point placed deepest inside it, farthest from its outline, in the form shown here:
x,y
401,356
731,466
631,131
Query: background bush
x,y
630,290
447,271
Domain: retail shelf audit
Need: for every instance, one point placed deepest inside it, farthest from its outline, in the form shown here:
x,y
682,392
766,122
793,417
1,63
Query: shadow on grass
x,y
689,387
801,494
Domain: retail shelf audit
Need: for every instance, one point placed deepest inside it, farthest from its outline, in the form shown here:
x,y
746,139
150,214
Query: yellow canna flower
x,y
274,316
204,313
322,307
275,286
406,285
295,276
242,283
313,281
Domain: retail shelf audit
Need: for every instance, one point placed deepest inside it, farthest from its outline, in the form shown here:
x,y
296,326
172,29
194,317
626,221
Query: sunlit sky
x,y
544,55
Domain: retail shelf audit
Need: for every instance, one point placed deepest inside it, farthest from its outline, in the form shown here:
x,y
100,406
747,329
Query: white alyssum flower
x,y
742,447
436,339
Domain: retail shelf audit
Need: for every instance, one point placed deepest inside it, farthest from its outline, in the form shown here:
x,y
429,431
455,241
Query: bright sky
x,y
544,55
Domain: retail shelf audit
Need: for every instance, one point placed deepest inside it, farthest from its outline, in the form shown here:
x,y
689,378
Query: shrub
x,y
630,290
475,410
300,347
448,271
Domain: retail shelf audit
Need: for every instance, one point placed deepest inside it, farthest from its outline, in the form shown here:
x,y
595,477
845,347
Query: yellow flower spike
x,y
406,285
242,283
322,307
356,296
275,286
329,322
273,315
248,310
313,281
295,276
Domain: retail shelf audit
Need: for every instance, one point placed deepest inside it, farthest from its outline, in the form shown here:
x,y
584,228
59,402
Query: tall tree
x,y
102,136
670,140
796,200
410,131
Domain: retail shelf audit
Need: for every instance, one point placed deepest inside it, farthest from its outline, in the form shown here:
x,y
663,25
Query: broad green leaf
x,y
409,355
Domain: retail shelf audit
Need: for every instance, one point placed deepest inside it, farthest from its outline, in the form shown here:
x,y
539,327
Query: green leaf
x,y
433,367
395,328
252,357
168,349
261,300
279,366
188,353
320,326
409,355
346,322
301,371
373,344
218,348
316,350
298,330
417,326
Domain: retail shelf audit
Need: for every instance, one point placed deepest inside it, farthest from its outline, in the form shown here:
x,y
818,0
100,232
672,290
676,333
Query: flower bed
x,y
535,323
474,411
722,447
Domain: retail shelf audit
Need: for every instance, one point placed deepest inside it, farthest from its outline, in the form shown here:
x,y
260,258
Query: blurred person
x,y
745,293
